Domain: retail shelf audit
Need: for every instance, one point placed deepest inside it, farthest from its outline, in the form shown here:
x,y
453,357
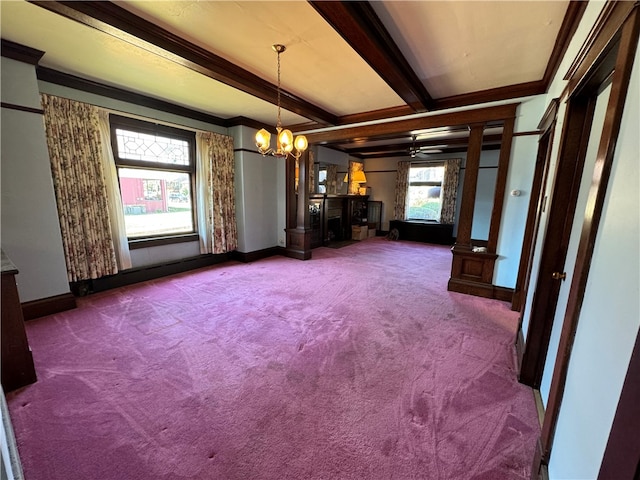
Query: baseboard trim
x,y
48,306
146,273
478,289
539,405
519,348
257,255
503,293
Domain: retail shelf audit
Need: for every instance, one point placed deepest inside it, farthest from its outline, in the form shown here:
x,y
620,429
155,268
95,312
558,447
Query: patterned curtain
x,y
450,190
332,178
114,199
312,173
402,188
75,150
216,193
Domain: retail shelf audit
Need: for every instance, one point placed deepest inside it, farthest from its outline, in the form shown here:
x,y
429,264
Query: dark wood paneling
x,y
116,21
48,306
359,25
19,52
622,455
469,187
571,158
16,364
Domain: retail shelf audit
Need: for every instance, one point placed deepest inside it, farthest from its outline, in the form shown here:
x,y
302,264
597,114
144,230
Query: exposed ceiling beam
x,y
486,115
359,25
114,20
406,146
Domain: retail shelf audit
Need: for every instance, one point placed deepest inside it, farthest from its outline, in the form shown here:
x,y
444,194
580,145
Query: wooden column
x,y
298,234
465,222
472,272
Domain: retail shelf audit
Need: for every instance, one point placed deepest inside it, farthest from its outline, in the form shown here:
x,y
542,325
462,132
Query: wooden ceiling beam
x,y
358,24
487,115
110,18
434,143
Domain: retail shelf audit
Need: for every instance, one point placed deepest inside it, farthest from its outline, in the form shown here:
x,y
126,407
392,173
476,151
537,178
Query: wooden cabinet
x,y
428,232
332,216
17,361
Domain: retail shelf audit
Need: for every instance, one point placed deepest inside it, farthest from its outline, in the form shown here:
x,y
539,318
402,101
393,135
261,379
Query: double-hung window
x,y
156,172
424,196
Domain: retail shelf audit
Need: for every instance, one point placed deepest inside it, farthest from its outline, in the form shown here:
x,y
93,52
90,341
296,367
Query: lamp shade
x,y
358,176
263,139
301,143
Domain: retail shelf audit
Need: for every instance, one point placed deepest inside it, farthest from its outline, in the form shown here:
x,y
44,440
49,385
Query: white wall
x,y
259,191
520,177
30,229
610,314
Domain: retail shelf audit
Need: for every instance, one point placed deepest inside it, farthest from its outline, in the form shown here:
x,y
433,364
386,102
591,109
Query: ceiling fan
x,y
421,151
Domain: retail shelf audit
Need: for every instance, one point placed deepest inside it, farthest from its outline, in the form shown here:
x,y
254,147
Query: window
x,y
156,172
424,198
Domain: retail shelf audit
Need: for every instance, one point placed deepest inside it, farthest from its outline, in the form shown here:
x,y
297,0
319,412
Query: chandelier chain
x,y
278,123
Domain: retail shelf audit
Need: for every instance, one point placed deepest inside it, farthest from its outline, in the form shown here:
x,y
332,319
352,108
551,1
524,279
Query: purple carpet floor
x,y
357,364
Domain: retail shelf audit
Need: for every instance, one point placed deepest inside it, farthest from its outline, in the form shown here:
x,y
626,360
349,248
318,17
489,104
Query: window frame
x,y
430,183
146,127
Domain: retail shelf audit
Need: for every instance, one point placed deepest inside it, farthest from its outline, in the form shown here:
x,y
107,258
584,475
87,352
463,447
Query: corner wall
x,y
30,230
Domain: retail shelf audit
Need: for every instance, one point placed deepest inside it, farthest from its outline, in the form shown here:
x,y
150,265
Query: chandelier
x,y
285,143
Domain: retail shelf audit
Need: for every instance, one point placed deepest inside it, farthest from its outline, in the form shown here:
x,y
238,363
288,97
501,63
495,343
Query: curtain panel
x,y
75,150
215,170
402,187
332,178
450,190
114,200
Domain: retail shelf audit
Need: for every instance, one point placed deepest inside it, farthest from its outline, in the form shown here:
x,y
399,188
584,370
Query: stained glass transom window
x,y
152,148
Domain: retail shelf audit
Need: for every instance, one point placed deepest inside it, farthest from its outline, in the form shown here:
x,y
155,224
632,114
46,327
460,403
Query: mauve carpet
x,y
357,364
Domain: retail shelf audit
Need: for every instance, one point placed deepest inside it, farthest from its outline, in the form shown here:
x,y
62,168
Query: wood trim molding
x,y
21,53
478,289
530,133
501,182
22,108
571,156
549,116
256,255
622,455
491,95
570,23
626,43
66,80
48,306
361,28
601,38
393,127
110,18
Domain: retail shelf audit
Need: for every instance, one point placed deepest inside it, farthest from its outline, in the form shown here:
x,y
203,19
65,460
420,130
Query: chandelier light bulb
x,y
285,142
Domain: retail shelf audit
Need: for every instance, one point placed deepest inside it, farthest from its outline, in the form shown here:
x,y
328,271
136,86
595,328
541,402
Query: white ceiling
x,y
454,48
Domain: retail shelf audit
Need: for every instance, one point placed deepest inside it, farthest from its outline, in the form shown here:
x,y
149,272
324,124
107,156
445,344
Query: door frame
x,y
607,55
